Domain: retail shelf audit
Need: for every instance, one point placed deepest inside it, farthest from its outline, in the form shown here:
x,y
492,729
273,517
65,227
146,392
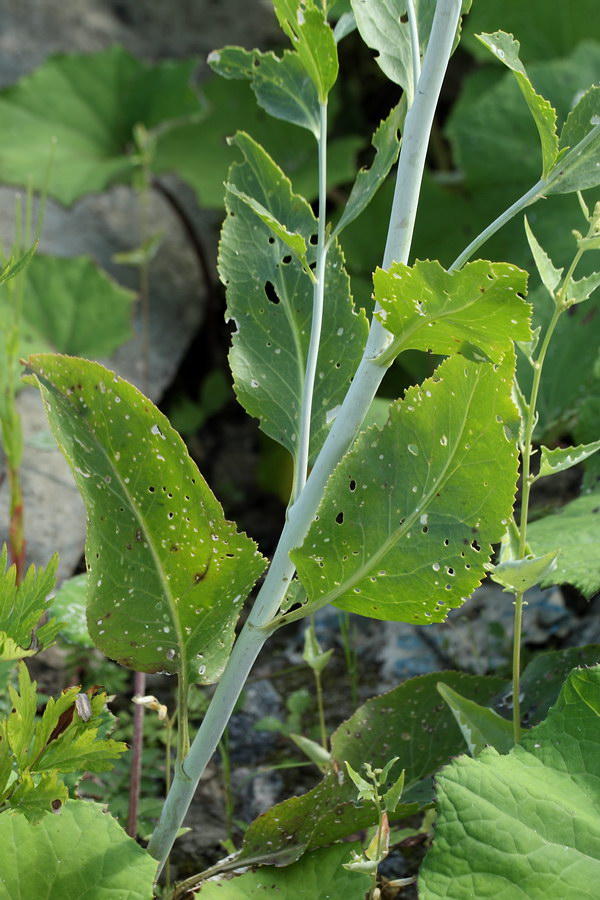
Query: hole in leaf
x,y
339,518
475,546
313,239
271,239
286,260
352,484
271,293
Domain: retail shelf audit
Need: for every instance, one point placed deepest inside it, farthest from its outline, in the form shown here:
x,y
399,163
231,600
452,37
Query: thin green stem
x,y
301,468
358,400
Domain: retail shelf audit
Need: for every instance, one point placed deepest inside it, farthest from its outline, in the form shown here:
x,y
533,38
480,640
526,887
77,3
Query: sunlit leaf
x,y
167,573
517,575
407,519
562,458
34,798
305,24
475,310
21,607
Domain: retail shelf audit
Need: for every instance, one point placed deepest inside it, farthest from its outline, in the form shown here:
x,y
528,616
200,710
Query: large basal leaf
x,y
526,824
270,298
408,517
317,876
167,573
575,531
411,722
477,310
80,854
82,110
71,306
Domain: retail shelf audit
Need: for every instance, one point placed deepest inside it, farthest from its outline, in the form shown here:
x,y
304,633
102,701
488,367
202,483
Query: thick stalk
x,y
358,400
301,468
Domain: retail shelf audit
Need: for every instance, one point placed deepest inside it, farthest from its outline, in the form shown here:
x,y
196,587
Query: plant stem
x,y
358,400
414,41
301,467
137,743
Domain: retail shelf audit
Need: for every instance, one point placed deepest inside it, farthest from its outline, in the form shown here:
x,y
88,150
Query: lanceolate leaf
x,y
477,310
270,298
89,134
281,84
83,851
506,49
386,141
538,807
167,573
575,530
562,458
548,272
305,24
409,515
480,725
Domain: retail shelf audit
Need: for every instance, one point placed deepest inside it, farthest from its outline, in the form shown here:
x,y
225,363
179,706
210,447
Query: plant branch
x,y
358,400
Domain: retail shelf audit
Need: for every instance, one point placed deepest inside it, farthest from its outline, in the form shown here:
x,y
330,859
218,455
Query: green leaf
x,y
312,654
317,876
270,299
413,721
562,458
577,170
69,605
391,798
16,266
34,799
517,575
582,288
543,678
21,720
72,306
537,806
305,24
81,852
408,517
314,751
167,573
480,726
90,135
295,242
22,605
386,141
478,308
549,274
280,84
506,49
575,530
579,121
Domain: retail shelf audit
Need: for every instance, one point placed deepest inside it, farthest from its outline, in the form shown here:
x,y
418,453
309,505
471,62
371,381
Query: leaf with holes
x,y
88,136
408,517
270,296
476,310
167,573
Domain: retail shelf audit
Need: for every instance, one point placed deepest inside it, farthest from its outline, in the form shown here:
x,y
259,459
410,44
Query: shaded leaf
x,y
412,721
167,573
16,266
408,517
294,241
317,876
270,299
69,605
81,852
539,806
580,120
582,288
544,676
578,170
386,142
475,310
22,605
506,49
575,529
72,306
480,726
281,84
563,458
90,133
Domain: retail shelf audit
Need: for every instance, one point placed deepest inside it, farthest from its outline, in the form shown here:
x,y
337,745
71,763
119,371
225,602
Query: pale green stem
x,y
414,41
301,467
344,429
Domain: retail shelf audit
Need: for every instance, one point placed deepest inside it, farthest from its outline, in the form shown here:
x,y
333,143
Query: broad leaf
x,y
409,515
538,806
81,853
575,529
305,24
386,141
167,573
89,134
317,876
295,242
480,726
506,49
562,458
22,606
281,84
517,575
69,606
72,306
409,722
270,298
477,311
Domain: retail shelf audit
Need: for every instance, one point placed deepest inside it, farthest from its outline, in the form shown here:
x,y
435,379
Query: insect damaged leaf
x,y
167,572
